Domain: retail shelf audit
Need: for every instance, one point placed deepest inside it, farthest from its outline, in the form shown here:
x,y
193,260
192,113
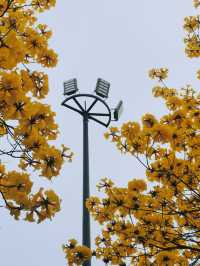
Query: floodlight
x,y
118,110
70,87
102,88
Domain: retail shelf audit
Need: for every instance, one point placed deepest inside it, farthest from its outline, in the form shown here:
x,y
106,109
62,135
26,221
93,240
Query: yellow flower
x,y
191,23
76,254
148,120
158,73
40,86
161,133
48,58
137,185
92,203
44,31
130,130
166,258
196,3
174,102
34,42
107,135
29,217
41,5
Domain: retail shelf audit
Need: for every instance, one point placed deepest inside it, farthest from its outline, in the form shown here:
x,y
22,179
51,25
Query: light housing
x,y
118,110
70,86
102,88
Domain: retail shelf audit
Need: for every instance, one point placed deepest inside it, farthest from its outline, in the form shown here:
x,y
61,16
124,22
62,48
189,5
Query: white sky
x,y
118,41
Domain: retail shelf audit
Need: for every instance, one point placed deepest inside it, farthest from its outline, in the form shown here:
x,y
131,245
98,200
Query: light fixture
x,y
118,110
70,87
102,88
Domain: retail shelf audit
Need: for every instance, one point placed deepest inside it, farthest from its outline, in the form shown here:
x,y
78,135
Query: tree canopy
x,y
154,221
26,123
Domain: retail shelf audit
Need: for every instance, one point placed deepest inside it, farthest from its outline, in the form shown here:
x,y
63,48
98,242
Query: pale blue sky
x,y
118,41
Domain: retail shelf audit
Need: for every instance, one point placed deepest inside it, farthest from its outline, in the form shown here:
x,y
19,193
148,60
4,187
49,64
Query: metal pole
x,y
87,114
86,189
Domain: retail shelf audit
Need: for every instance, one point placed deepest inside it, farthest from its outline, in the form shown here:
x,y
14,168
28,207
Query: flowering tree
x,y
155,221
26,124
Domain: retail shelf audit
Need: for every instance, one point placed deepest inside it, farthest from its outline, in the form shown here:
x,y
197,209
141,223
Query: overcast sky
x,y
118,41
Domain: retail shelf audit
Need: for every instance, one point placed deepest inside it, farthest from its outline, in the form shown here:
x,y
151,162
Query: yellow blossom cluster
x,y
158,73
154,221
15,189
192,40
27,124
196,3
159,225
76,254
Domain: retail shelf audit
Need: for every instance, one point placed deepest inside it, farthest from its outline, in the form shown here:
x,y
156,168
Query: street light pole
x,y
86,184
103,117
